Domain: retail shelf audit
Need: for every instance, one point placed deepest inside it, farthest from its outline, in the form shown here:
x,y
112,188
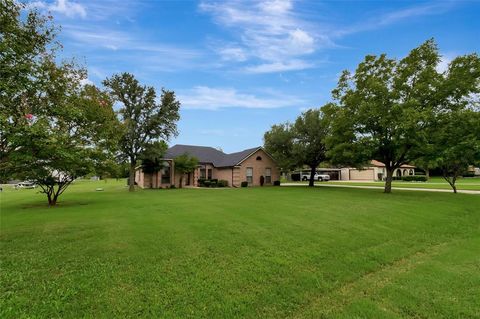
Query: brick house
x,y
248,165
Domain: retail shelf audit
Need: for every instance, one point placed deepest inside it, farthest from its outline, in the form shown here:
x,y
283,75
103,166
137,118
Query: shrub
x,y
244,184
206,183
213,184
276,183
201,182
414,178
262,180
172,186
469,174
222,183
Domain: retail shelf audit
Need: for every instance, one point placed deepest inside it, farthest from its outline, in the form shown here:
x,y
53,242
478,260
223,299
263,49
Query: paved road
x,y
394,188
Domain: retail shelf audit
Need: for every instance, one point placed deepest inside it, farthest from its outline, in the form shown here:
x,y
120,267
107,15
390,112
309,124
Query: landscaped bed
x,y
248,252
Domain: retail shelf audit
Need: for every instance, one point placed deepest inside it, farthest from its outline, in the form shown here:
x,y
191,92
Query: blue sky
x,y
240,66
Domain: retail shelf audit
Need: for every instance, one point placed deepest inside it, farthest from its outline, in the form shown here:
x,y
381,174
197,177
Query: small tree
x,y
143,119
278,142
309,144
457,144
302,143
60,141
185,164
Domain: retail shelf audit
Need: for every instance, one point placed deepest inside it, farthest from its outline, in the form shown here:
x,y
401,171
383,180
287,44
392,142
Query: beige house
x,y
248,165
374,172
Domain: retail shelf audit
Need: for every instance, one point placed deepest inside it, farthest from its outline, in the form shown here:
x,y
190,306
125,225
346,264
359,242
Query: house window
x,y
268,176
209,173
166,175
203,173
259,158
250,175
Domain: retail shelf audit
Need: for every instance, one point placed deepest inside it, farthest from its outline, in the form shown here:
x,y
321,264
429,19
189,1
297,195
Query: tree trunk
x,y
427,173
312,176
181,181
131,177
52,200
451,181
388,180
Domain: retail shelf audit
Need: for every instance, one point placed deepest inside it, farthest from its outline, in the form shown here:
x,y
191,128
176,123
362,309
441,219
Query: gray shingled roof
x,y
206,154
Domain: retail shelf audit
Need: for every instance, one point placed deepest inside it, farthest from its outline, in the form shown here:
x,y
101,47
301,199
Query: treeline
x,y
393,111
54,127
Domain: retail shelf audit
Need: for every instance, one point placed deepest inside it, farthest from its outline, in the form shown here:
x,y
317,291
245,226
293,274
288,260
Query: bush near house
x,y
244,184
212,182
222,183
276,183
415,178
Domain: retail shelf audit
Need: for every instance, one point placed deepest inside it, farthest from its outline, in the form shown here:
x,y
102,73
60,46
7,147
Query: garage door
x,y
358,175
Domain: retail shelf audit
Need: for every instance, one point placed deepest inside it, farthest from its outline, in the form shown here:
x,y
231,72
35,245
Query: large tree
x,y
144,120
50,124
384,109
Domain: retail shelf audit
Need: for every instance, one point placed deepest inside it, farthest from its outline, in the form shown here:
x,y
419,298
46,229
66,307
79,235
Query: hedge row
x,y
212,182
415,178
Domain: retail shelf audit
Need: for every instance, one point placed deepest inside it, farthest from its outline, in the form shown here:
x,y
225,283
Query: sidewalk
x,y
394,188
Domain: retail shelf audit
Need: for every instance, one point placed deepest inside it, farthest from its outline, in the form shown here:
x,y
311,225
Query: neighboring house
x,y
248,165
374,172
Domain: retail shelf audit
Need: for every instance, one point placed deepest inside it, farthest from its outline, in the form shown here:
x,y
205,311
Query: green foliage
x,y
457,143
276,183
278,142
222,183
53,129
244,184
144,121
185,164
415,178
302,143
386,109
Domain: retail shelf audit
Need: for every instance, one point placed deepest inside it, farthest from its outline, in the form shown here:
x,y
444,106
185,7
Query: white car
x,y
25,184
317,177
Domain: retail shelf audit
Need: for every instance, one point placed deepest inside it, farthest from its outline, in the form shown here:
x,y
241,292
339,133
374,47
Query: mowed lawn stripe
x,y
255,252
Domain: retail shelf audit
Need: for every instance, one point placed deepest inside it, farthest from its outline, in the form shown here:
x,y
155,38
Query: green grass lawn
x,y
252,252
433,183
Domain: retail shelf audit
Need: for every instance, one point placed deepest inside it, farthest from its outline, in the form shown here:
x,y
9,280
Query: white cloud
x,y
394,17
233,54
204,97
119,40
279,66
269,32
65,7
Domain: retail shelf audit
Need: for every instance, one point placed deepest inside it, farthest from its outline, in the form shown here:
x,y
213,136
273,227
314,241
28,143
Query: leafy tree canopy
x,y
144,120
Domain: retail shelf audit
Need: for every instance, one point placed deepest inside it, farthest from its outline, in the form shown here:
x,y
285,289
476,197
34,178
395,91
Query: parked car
x,y
26,185
317,177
